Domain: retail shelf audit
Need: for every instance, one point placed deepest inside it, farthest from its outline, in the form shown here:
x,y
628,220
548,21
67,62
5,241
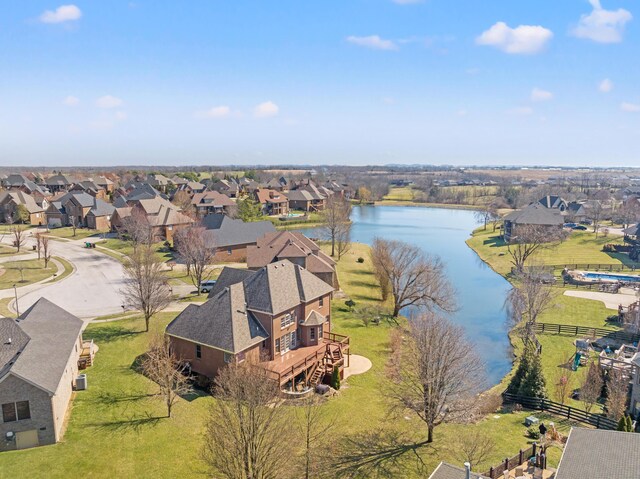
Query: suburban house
x,y
209,202
273,202
305,200
228,187
91,188
231,237
20,182
105,183
39,355
533,215
164,216
576,212
159,182
278,316
555,202
80,209
278,184
58,182
192,187
10,203
295,247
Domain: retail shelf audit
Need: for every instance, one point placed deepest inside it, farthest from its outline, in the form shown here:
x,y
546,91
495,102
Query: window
x,y
198,351
9,412
313,333
278,345
228,358
293,340
229,251
287,320
321,301
24,412
241,357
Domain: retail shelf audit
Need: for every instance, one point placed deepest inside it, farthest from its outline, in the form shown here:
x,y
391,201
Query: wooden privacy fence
x,y
553,328
546,405
512,462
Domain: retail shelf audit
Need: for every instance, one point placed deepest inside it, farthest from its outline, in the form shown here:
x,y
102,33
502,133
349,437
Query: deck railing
x,y
509,463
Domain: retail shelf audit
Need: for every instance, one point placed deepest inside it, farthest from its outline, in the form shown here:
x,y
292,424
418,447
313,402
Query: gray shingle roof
x,y
591,453
536,214
223,231
447,471
53,333
229,276
12,341
222,322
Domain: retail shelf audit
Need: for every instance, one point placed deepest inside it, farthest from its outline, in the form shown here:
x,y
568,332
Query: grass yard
x,y
404,193
117,248
6,251
32,271
118,429
580,247
66,232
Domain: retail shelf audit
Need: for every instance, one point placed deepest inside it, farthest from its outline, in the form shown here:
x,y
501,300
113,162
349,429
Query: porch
x,y
305,367
87,354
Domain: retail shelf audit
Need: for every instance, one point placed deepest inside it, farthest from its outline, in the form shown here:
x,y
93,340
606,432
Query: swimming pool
x,y
611,277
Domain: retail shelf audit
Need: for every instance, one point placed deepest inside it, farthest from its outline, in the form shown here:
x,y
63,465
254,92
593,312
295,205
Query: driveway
x,y
93,289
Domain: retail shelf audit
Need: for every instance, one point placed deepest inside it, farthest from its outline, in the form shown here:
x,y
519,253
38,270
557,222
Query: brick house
x,y
536,215
164,217
39,355
209,202
231,237
273,202
11,200
81,209
298,249
58,182
278,316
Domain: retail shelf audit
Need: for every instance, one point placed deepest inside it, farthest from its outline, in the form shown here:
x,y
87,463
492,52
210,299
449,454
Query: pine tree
x,y
521,372
249,209
533,384
622,424
629,424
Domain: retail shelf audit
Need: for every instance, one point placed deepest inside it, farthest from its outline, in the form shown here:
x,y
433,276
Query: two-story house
x,y
278,316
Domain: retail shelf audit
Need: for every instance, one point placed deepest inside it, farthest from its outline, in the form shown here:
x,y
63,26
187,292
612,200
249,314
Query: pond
x,y
480,291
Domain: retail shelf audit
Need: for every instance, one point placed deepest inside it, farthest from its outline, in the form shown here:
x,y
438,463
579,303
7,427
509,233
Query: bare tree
x,y
595,213
315,429
243,435
39,244
146,289
413,277
166,371
137,229
183,201
74,224
436,372
530,240
334,216
591,387
46,250
474,447
343,239
527,300
617,390
483,215
19,237
563,384
197,251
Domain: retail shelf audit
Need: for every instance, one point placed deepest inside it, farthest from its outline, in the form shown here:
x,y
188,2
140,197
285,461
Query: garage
x,y
27,439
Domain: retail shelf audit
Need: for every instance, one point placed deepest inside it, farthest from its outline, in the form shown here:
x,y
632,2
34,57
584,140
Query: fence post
x,y
598,422
506,464
520,457
534,449
568,412
491,472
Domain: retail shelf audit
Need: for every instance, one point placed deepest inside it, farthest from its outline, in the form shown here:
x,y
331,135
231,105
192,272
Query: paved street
x,y
93,289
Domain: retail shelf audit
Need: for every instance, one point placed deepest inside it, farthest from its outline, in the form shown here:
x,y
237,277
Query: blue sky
x,y
334,82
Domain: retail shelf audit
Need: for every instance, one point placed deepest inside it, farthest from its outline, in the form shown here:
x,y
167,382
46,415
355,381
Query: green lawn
x,y
404,193
580,247
116,429
117,248
32,271
67,233
6,250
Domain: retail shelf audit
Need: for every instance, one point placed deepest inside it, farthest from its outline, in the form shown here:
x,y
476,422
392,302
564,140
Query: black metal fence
x,y
554,328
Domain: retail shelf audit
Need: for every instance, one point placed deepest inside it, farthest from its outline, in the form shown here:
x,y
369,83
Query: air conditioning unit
x,y
10,435
81,382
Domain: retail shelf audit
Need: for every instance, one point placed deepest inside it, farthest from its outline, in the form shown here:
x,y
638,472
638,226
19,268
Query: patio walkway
x,y
610,300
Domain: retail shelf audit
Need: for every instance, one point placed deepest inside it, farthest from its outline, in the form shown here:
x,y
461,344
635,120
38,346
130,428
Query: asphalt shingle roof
x,y
596,453
223,231
536,214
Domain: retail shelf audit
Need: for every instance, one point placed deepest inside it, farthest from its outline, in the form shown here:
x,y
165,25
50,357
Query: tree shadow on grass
x,y
494,242
128,424
110,332
109,398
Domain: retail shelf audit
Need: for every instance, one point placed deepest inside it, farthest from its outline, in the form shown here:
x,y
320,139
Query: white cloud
x,y
71,100
602,26
374,42
121,115
64,13
108,101
524,39
538,94
605,86
266,109
630,107
521,111
221,111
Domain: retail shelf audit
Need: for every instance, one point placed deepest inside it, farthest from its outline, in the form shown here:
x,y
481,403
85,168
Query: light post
x,y
15,290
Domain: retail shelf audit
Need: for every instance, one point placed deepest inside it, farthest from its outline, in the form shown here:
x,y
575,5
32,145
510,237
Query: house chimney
x,y
467,470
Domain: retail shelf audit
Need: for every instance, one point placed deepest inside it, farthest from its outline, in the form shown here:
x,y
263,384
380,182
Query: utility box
x,y
81,382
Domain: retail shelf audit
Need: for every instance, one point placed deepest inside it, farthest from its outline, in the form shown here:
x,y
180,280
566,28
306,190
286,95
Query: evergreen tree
x,y
249,209
622,424
629,424
533,384
335,378
521,372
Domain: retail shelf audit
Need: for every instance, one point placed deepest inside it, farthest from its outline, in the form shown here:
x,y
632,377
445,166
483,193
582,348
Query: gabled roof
x,y
270,196
314,319
20,198
600,453
551,201
97,207
213,198
227,277
447,471
58,180
223,231
12,341
536,214
53,333
222,322
103,181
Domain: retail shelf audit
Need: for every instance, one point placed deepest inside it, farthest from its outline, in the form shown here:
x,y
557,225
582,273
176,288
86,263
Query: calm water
x,y
480,290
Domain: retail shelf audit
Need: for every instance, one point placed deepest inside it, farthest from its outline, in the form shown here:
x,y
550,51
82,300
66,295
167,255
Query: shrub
x,y
609,248
335,378
533,433
489,403
350,303
360,259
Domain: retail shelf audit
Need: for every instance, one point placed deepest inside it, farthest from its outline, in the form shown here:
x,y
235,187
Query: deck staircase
x,y
316,376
